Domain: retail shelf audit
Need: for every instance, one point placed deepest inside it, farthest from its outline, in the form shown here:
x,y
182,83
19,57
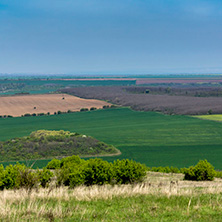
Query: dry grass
x,y
47,204
156,183
20,105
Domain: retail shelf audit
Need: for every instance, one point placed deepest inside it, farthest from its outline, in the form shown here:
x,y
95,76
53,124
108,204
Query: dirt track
x,y
20,105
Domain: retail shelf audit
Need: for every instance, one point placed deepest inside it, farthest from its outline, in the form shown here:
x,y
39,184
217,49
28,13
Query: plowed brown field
x,y
20,105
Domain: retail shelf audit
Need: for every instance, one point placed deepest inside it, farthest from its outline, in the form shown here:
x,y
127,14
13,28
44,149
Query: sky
x,y
110,37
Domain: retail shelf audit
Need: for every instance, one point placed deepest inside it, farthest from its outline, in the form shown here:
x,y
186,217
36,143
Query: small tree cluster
x,y
84,109
202,171
19,176
73,171
6,116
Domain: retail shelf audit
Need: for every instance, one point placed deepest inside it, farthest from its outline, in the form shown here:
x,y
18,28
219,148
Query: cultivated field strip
x,y
44,103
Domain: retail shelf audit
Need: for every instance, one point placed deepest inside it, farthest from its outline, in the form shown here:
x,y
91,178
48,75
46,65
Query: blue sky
x,y
110,37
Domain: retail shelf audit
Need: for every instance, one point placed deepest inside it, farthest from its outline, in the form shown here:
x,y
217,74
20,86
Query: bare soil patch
x,y
44,103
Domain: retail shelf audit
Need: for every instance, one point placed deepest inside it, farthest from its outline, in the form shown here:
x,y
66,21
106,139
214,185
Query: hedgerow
x,y
73,171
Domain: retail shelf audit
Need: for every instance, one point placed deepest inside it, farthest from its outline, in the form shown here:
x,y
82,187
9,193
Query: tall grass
x,y
162,197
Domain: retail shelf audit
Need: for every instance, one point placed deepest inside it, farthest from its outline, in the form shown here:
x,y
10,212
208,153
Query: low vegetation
x,y
50,144
161,197
72,171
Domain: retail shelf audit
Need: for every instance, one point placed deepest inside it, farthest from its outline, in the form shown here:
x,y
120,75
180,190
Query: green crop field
x,y
148,137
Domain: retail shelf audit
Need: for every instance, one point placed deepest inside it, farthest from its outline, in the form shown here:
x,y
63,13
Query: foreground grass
x,y
147,137
162,197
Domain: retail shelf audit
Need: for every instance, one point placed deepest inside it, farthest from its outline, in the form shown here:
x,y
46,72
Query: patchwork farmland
x,y
147,137
44,103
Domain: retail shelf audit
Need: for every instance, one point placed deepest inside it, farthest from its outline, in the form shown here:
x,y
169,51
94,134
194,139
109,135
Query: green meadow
x,y
148,137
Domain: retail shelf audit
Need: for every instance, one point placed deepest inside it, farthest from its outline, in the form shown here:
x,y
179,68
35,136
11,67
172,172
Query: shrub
x,y
128,171
75,177
9,177
71,177
40,114
70,173
1,177
98,171
45,177
93,108
202,171
54,164
27,114
18,176
218,174
84,109
71,160
26,178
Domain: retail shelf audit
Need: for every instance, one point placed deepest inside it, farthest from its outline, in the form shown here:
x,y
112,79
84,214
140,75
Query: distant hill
x,y
43,144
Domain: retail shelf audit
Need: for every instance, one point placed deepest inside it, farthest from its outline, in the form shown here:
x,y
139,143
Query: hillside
x,y
50,144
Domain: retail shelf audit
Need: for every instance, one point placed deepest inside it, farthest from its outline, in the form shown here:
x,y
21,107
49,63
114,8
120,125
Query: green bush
x,y
201,172
26,178
98,171
45,177
74,176
71,172
70,161
17,176
54,164
128,171
27,114
9,177
84,109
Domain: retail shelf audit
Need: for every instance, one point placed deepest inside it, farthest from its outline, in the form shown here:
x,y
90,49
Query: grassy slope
x,y
147,137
